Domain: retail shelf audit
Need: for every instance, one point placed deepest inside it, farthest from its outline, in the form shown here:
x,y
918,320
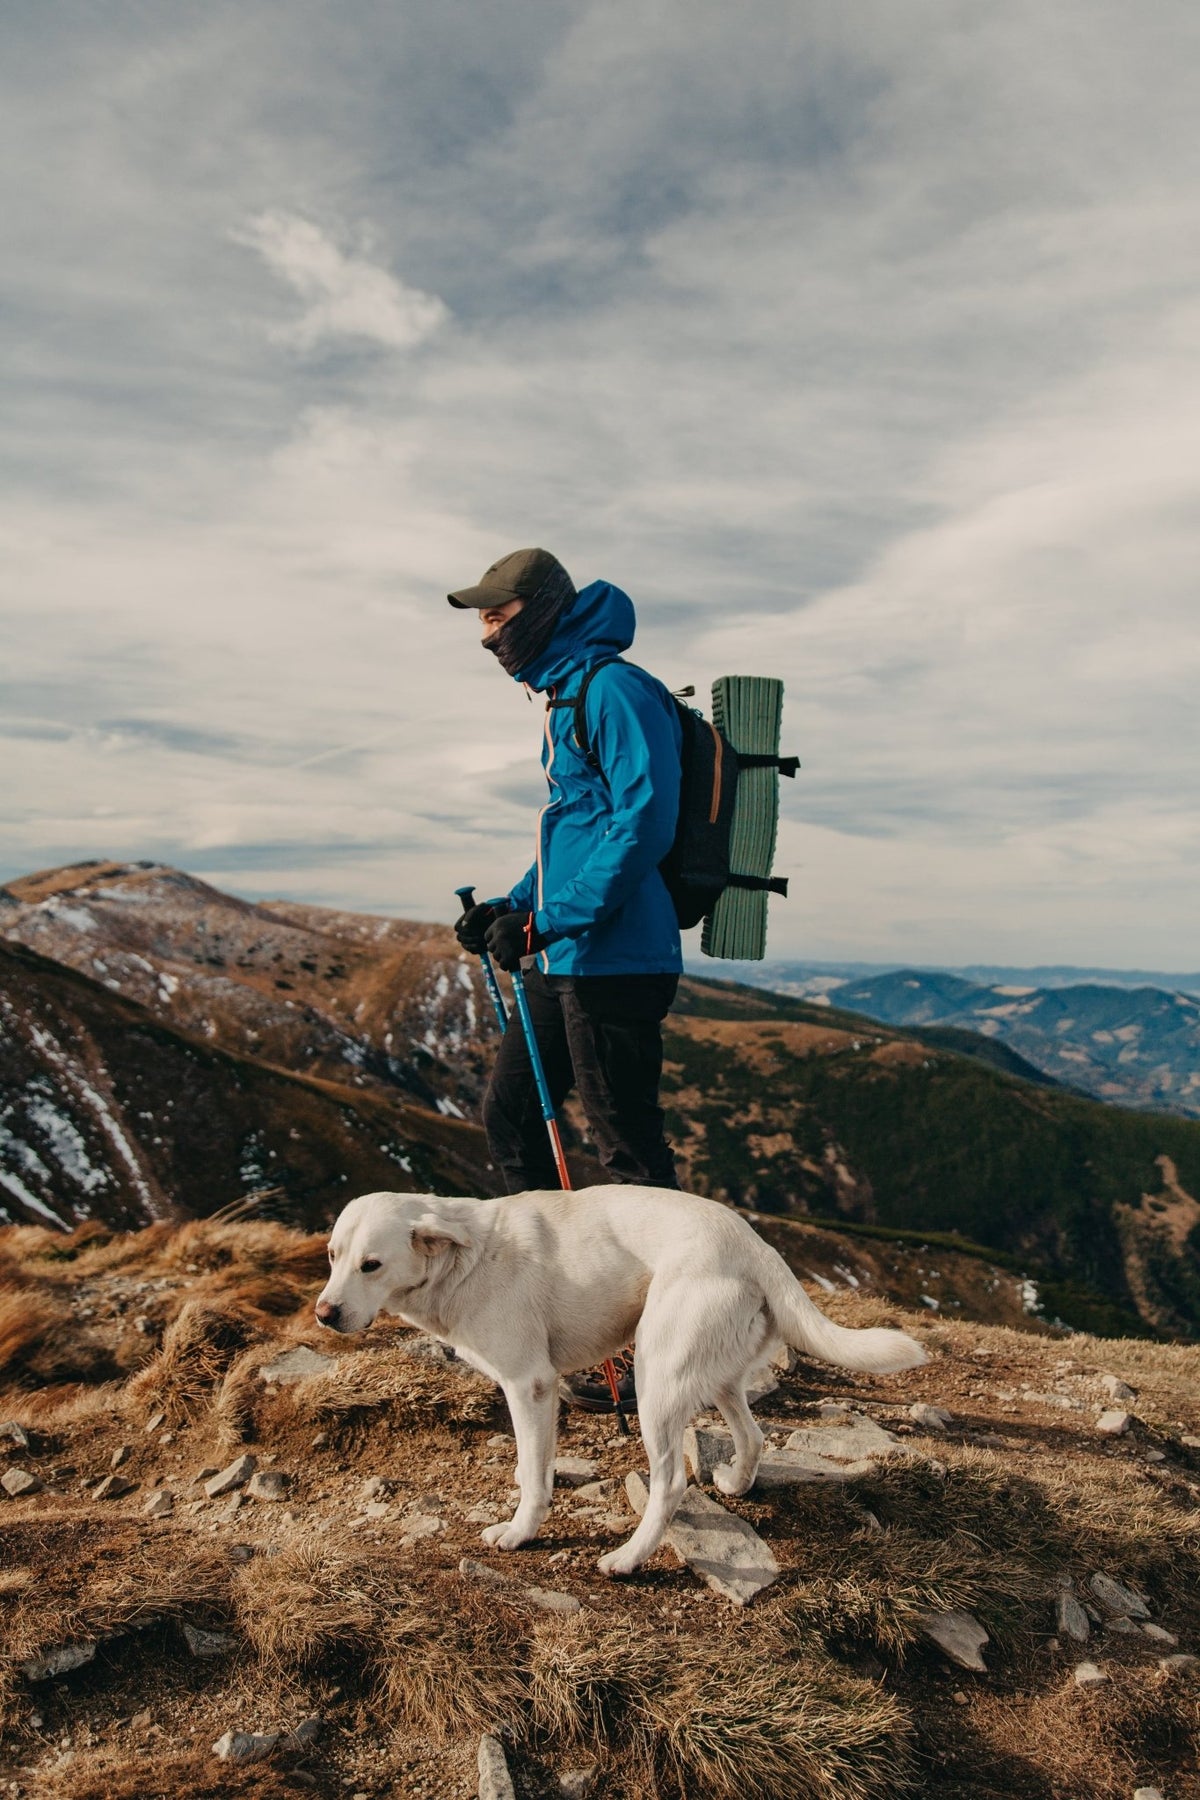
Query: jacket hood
x,y
599,623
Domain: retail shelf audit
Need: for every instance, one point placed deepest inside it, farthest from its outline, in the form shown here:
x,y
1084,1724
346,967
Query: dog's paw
x,y
726,1477
618,1562
504,1536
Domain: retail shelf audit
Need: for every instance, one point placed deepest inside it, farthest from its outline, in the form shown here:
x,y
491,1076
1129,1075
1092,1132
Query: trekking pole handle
x,y
466,899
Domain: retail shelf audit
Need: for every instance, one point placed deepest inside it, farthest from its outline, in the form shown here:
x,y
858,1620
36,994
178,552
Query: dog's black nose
x,y
328,1313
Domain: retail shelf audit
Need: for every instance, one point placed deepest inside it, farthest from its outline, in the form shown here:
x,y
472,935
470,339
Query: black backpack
x,y
696,867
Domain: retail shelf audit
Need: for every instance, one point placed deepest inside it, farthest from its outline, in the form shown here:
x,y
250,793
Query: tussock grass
x,y
367,1386
723,1717
163,1775
197,1350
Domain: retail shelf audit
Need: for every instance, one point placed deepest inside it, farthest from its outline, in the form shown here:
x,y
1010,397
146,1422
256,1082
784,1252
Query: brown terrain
x,y
131,1367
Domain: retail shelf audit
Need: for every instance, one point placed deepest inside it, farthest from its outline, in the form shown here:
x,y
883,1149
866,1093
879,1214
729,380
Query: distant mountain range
x,y
164,1048
1133,1045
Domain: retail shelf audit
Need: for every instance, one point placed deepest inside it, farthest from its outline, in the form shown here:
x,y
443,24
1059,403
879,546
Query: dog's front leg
x,y
533,1404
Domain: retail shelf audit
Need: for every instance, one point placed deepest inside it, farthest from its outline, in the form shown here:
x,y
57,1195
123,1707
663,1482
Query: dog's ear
x,y
431,1235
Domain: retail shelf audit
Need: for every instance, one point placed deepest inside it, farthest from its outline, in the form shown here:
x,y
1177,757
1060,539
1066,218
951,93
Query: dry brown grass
x,y
369,1386
197,1350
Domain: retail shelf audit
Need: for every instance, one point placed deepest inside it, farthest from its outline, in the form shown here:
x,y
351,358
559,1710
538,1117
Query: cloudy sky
x,y
858,342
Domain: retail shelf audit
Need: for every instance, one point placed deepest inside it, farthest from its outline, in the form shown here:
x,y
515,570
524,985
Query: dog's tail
x,y
805,1327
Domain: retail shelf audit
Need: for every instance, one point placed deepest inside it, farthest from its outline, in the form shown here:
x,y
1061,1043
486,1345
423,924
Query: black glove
x,y
512,936
471,929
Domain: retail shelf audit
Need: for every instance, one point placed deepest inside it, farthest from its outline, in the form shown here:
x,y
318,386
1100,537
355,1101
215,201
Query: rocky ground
x,y
239,1557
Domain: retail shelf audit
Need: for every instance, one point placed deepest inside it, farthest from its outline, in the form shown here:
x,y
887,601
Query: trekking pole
x,y
466,895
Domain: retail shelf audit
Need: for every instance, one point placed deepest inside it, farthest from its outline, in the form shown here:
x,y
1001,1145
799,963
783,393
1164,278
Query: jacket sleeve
x,y
523,896
636,737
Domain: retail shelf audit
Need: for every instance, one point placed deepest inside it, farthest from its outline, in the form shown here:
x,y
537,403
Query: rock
x,y
296,1364
141,1720
1123,1625
596,1490
1087,1674
112,1488
245,1746
576,1784
1070,1618
1116,1389
377,1509
1145,1793
204,1643
18,1482
204,1474
1116,1599
155,1420
959,1635
1179,1664
59,1661
321,1441
240,1553
574,1471
160,1505
120,1455
1159,1635
501,1440
495,1782
232,1506
933,1418
269,1484
546,1599
12,1433
858,1441
1190,1439
991,1441
485,1514
1154,1456
235,1476
376,1487
421,1525
723,1550
833,1412
759,1384
704,1450
1113,1423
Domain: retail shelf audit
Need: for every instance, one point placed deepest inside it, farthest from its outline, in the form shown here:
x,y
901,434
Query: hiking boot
x,y
590,1390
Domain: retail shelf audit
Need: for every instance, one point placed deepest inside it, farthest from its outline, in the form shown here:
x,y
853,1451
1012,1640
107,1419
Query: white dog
x,y
538,1285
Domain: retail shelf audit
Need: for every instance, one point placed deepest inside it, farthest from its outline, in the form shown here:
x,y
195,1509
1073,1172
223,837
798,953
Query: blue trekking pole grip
x,y
466,899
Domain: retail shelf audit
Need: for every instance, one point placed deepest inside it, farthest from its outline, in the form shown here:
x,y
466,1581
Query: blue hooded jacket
x,y
594,887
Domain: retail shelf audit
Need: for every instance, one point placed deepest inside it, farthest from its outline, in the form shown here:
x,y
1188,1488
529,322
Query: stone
x,y
112,1488
545,1599
1147,1793
1126,1625
858,1441
1117,1599
596,1490
19,1482
1116,1389
240,1553
377,1509
959,1635
296,1364
704,1450
120,1455
1178,1664
1160,1635
759,1384
236,1475
204,1643
59,1661
723,1550
269,1484
155,1420
232,1506
833,1412
1113,1423
1191,1440
1071,1619
376,1487
421,1525
321,1441
577,1784
12,1433
160,1505
1088,1674
574,1471
204,1474
245,1746
933,1418
991,1440
495,1782
1154,1456
501,1440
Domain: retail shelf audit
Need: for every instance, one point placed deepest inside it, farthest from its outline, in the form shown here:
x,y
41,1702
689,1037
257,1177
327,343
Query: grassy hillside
x,y
786,1106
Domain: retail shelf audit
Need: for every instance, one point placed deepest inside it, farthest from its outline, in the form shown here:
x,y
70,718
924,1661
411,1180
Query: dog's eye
x,y
370,1265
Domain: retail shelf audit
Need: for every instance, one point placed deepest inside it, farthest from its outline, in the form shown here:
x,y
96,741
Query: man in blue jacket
x,y
592,911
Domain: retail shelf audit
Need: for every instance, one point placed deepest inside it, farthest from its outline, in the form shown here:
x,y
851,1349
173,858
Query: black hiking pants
x,y
601,1034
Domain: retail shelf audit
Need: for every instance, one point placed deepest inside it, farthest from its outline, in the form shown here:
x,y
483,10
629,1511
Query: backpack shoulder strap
x,y
579,701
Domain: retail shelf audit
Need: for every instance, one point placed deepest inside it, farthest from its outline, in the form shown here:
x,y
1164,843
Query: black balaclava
x,y
521,639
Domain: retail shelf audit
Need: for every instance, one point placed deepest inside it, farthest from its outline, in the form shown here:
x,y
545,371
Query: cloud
x,y
858,347
347,296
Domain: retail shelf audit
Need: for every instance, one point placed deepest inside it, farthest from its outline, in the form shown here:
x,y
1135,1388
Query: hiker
x,y
593,911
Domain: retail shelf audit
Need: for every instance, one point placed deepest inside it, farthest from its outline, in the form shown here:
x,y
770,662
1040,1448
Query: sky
x,y
858,343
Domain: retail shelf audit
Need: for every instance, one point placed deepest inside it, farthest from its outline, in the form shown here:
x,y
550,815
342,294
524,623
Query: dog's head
x,y
381,1248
